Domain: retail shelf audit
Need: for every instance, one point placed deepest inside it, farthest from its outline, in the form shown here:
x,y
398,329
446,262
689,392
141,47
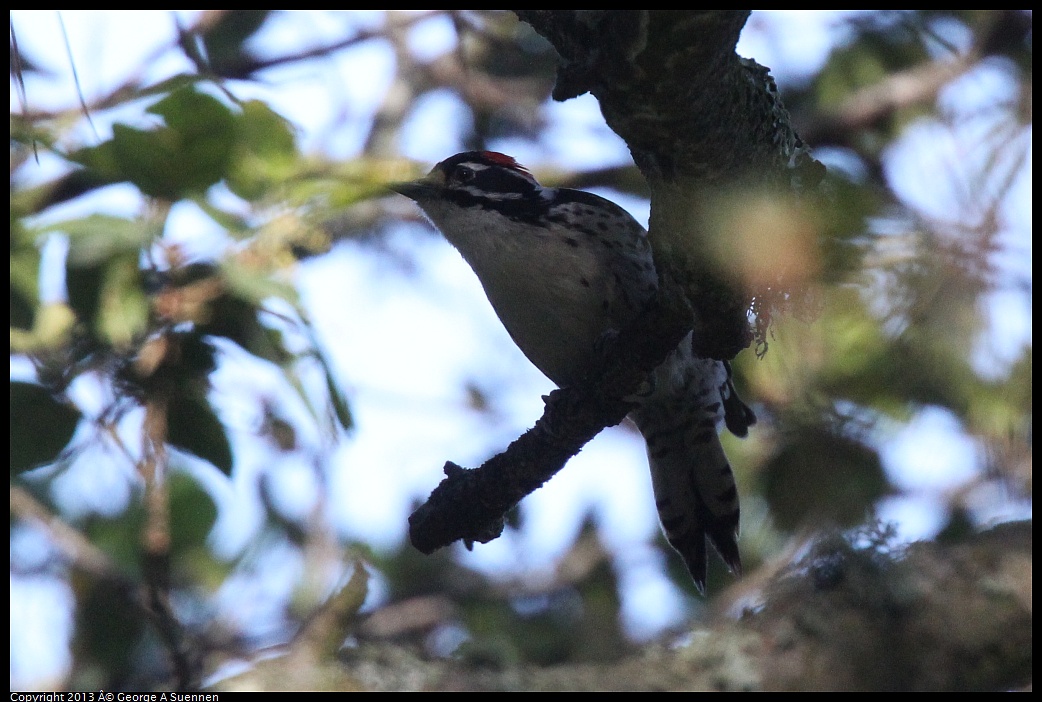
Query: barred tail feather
x,y
696,495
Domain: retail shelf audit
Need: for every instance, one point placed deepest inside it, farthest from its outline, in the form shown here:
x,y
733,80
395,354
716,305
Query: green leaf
x,y
98,237
52,330
192,513
101,161
148,159
266,133
193,427
109,298
266,156
225,40
23,309
187,155
337,399
83,286
41,426
820,475
204,137
181,81
235,315
236,319
233,223
25,274
256,286
124,306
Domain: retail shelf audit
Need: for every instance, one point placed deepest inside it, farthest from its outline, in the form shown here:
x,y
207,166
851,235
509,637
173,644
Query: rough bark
x,y
933,617
699,121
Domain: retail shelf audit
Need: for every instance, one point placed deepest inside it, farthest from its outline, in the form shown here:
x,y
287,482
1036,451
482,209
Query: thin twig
x,y
76,75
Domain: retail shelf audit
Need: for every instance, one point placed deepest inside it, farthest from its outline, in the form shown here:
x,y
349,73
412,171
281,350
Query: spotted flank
x,y
564,269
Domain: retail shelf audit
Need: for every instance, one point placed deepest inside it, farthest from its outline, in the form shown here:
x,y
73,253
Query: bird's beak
x,y
424,188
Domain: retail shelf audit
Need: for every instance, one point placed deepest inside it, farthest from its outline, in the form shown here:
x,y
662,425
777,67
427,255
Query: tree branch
x,y
697,118
470,504
843,618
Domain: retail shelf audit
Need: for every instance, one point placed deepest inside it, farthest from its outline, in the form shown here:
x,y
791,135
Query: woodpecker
x,y
564,267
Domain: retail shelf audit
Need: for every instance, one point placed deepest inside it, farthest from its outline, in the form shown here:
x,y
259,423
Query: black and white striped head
x,y
485,180
473,183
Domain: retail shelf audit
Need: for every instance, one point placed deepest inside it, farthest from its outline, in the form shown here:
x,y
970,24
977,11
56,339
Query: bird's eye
x,y
462,174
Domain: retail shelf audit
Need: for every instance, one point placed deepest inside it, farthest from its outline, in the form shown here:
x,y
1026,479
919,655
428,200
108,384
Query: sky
x,y
404,350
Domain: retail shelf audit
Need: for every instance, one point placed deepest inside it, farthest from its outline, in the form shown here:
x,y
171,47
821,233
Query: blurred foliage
x,y
894,311
41,426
